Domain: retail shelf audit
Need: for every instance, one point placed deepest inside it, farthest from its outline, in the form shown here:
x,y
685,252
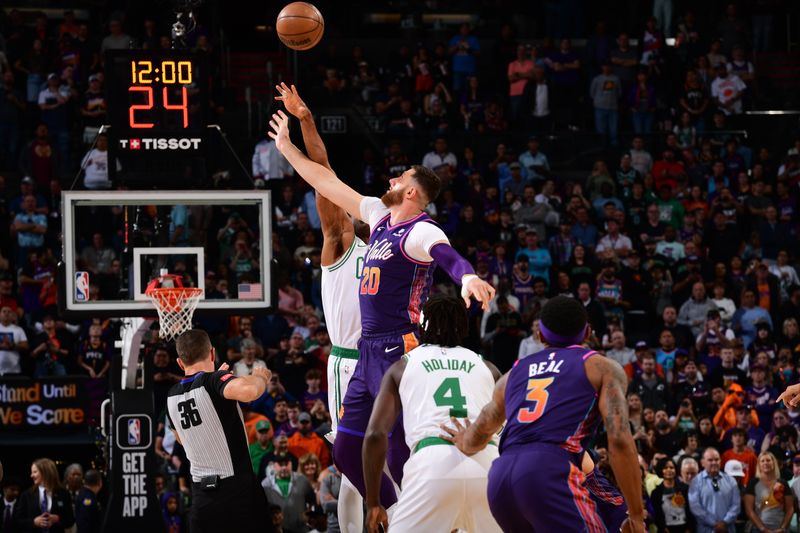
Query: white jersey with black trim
x,y
439,383
340,296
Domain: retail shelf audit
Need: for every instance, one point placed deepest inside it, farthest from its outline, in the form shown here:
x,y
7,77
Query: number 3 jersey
x,y
211,427
438,383
398,269
549,399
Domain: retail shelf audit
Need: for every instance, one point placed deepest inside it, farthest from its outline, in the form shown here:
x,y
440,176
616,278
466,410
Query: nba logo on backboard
x,y
134,432
81,286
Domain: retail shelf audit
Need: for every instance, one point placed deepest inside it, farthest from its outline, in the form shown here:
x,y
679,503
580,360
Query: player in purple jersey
x,y
550,402
405,246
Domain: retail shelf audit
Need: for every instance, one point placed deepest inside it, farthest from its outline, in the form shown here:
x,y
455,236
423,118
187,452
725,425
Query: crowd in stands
x,y
681,244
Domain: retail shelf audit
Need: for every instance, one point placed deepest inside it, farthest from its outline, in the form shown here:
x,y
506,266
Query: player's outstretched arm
x,y
460,271
472,438
337,228
376,441
610,380
323,179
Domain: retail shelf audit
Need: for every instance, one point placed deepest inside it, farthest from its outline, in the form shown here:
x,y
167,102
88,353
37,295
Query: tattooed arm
x,y
609,379
472,438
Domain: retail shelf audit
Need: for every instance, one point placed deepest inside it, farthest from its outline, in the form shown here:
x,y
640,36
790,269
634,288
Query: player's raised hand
x,y
377,516
478,289
280,130
791,396
292,101
223,367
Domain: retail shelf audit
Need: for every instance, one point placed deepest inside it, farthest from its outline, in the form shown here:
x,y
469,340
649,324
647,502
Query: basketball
x,y
300,26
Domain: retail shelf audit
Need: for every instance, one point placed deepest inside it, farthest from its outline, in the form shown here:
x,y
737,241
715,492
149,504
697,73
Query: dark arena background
x,y
642,156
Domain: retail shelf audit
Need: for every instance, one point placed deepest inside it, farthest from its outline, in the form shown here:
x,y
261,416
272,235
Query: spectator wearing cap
x,y
291,491
694,311
714,497
305,441
534,161
539,260
768,500
740,458
263,444
516,183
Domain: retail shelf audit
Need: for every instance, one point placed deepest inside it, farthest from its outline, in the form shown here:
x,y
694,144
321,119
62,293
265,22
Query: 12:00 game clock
x,y
158,111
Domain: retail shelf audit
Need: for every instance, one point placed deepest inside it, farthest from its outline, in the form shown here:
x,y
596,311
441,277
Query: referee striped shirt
x,y
211,428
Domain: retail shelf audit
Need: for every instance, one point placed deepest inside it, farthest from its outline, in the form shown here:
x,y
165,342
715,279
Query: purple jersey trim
x,y
350,431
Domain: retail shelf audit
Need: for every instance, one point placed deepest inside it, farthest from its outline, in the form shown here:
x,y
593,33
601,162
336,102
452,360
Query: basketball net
x,y
174,302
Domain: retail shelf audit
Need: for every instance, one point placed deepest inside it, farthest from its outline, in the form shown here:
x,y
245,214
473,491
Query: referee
x,y
206,419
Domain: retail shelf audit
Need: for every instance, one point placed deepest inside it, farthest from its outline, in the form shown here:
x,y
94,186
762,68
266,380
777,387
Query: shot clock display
x,y
164,91
158,113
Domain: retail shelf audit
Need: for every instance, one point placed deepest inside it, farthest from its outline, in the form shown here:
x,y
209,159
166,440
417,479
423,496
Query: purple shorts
x,y
547,469
611,505
375,356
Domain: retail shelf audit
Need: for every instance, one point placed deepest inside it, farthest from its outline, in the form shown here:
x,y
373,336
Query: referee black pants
x,y
238,505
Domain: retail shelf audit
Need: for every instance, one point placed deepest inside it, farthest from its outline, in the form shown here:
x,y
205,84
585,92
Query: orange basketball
x,y
300,26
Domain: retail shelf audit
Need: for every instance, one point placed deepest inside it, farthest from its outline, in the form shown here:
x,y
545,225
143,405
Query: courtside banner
x,y
45,404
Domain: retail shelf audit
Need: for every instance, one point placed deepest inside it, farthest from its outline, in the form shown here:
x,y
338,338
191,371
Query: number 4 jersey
x,y
438,383
549,399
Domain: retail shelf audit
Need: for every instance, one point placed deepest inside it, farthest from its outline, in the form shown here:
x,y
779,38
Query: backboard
x,y
116,242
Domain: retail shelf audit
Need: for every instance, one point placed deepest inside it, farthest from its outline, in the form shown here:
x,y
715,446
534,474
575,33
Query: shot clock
x,y
158,113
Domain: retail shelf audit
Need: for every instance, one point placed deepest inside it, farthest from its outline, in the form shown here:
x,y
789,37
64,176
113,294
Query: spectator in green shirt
x,y
263,444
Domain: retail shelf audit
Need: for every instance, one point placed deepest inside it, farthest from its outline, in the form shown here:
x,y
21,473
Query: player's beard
x,y
393,197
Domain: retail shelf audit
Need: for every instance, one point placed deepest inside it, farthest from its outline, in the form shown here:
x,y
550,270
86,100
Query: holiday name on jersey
x,y
447,364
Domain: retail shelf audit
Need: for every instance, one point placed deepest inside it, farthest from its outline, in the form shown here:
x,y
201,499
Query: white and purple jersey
x,y
398,269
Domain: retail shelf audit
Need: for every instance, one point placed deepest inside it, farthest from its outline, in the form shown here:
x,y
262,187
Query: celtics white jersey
x,y
439,383
340,296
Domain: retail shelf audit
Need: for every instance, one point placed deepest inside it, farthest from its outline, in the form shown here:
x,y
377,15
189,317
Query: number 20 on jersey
x,y
370,280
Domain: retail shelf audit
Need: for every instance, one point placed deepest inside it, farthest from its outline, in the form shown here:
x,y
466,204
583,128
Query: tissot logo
x,y
186,143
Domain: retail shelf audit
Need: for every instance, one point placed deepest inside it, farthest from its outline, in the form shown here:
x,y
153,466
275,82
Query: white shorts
x,y
341,365
444,490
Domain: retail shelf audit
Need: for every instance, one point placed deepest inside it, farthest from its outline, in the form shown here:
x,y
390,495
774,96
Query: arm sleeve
x,y
456,266
372,210
421,239
219,380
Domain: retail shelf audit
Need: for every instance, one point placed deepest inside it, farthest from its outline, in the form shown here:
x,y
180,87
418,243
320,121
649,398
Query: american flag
x,y
249,291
